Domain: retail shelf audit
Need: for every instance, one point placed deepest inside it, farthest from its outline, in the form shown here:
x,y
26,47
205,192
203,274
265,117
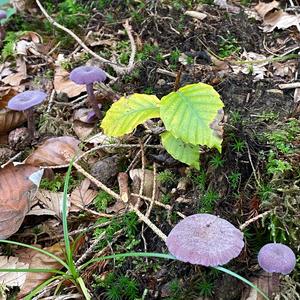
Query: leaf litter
x,y
180,46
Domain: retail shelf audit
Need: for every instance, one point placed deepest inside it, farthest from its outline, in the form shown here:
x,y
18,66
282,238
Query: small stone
x,y
19,139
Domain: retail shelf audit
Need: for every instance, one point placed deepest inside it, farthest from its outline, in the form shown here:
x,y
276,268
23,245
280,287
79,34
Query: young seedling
x,y
88,75
26,102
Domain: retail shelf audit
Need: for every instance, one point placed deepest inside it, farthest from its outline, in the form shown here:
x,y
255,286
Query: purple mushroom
x,y
88,75
3,14
206,240
277,258
25,102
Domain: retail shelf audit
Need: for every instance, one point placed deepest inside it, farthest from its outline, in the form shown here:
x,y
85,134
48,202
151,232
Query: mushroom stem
x,y
30,121
92,100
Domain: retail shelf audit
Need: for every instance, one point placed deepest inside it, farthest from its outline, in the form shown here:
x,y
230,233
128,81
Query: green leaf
x,y
186,153
189,114
127,113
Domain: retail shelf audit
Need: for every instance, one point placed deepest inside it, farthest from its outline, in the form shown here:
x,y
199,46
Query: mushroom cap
x,y
277,258
3,14
87,75
26,100
206,240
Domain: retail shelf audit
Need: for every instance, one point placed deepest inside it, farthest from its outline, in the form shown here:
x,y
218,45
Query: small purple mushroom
x,y
88,75
206,240
277,258
25,102
3,14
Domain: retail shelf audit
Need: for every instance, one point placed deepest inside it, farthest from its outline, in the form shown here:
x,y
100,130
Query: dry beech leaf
x,y
40,261
266,282
16,190
136,176
12,278
54,151
82,130
5,95
82,196
217,124
51,203
263,8
62,83
297,95
281,20
15,79
10,119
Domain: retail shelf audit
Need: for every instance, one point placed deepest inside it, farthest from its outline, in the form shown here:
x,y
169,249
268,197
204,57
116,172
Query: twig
x,y
252,166
153,192
75,232
137,205
89,251
132,44
118,68
117,197
247,223
50,103
12,159
292,85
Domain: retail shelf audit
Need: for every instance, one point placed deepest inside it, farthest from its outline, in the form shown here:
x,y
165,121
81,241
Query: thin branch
x,y
247,223
118,68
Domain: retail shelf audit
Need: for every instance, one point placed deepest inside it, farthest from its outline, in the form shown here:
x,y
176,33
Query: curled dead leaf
x,y
38,260
82,196
263,8
54,151
62,83
16,190
12,278
10,119
217,124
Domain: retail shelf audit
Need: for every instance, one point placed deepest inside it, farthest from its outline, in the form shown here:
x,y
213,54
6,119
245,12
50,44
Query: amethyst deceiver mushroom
x,y
25,102
88,75
277,258
205,239
3,15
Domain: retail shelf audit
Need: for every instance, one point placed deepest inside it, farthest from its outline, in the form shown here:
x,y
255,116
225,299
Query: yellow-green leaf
x,y
128,112
186,153
189,114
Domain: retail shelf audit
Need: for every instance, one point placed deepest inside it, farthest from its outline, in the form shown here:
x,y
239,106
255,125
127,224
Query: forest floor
x,y
231,47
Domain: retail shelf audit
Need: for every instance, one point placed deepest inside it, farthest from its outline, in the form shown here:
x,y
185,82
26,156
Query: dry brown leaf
x,y
62,83
257,69
273,17
39,260
15,79
82,196
267,282
123,186
16,190
263,8
137,174
286,69
229,7
217,124
82,130
51,203
281,20
12,278
54,151
10,119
